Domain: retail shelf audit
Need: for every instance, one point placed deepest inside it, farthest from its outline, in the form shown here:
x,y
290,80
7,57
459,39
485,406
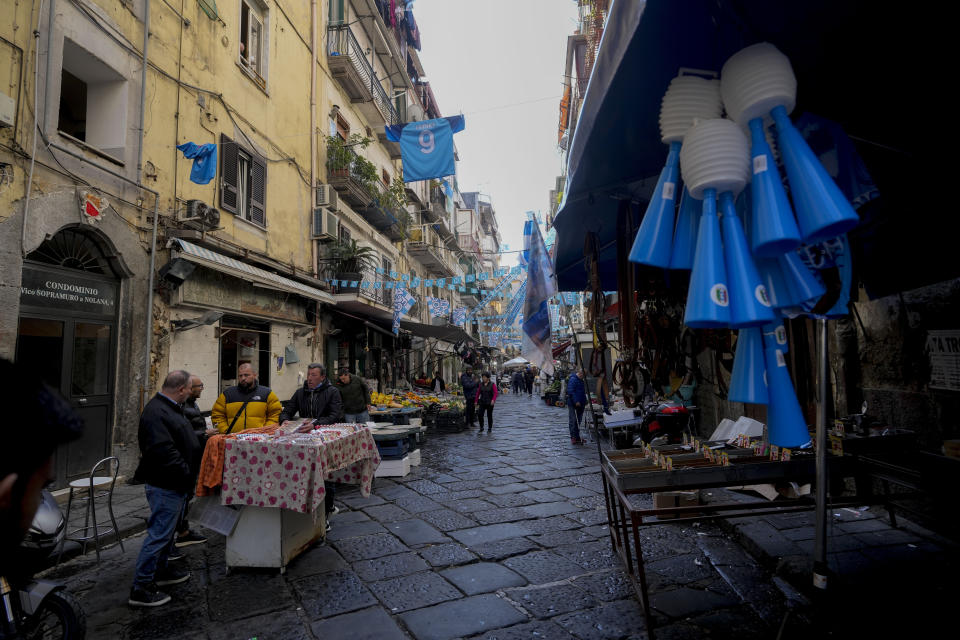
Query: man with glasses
x,y
186,537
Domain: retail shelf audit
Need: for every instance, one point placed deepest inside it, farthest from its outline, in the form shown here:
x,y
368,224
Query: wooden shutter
x,y
228,174
258,190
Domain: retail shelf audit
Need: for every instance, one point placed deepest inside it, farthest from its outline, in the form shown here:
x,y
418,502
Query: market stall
x,y
273,478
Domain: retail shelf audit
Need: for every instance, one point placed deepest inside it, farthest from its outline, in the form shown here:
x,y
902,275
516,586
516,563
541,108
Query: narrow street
x,y
498,535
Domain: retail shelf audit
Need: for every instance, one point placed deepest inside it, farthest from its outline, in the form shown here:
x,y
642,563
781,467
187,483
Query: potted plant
x,y
341,158
350,260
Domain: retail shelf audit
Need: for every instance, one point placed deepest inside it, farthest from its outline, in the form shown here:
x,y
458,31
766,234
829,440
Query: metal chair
x,y
96,486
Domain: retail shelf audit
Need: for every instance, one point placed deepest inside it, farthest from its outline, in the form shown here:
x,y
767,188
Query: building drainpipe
x,y
143,93
314,251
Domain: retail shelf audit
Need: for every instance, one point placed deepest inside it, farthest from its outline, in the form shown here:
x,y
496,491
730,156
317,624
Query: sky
x,y
501,64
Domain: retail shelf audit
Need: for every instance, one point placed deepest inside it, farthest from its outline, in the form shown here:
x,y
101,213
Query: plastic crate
x,y
393,448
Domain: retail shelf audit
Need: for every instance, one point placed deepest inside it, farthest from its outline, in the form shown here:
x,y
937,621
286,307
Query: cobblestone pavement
x,y
495,536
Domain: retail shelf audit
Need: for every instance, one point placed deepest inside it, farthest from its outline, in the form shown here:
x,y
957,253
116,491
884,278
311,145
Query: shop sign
x,y
943,348
54,289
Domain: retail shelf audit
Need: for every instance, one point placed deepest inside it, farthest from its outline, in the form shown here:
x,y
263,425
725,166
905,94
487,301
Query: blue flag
x,y
426,147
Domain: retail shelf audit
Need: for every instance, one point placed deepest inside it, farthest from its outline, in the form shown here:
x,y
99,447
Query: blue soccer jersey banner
x,y
426,147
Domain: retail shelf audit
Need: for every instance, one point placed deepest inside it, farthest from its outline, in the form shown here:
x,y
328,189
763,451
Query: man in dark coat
x,y
169,461
186,537
355,395
576,401
469,383
320,400
528,381
517,382
317,399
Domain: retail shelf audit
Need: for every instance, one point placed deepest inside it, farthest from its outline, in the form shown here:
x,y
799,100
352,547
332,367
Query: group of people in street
x,y
523,381
172,435
480,396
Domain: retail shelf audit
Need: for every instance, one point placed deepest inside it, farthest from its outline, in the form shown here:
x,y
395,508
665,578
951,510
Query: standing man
x,y
439,386
517,382
355,395
248,405
186,537
469,383
576,400
320,400
169,462
528,381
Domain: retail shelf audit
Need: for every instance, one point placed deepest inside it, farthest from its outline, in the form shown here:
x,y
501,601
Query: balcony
x,y
350,67
438,203
426,246
468,242
354,178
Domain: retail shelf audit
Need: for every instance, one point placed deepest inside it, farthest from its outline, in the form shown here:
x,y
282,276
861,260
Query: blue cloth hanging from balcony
x,y
426,147
204,161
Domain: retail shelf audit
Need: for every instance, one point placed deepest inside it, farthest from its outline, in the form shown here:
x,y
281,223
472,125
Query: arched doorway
x,y
67,334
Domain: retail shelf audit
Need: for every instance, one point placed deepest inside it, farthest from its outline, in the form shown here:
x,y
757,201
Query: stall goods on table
x,y
279,467
411,399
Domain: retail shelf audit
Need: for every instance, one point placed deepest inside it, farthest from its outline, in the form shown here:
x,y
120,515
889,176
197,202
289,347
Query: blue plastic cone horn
x,y
749,302
772,276
776,333
685,235
822,210
785,424
801,282
654,240
748,382
773,228
708,299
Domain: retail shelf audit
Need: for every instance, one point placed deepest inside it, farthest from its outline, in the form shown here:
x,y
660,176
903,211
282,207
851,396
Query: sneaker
x,y
148,596
174,556
577,441
192,537
335,511
171,575
329,526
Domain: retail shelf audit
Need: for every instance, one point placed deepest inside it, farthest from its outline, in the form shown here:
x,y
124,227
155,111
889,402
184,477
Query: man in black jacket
x,y
169,461
469,383
186,537
317,399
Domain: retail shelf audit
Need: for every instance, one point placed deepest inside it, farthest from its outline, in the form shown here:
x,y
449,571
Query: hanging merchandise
x,y
687,99
685,235
786,426
403,301
748,383
749,302
759,82
204,161
426,147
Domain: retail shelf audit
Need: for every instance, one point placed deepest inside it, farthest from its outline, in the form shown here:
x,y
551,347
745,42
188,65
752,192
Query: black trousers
x,y
471,411
488,408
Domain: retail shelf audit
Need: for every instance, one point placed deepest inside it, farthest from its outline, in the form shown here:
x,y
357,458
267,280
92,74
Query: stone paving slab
x,y
542,566
540,630
389,566
460,618
447,520
365,547
367,624
328,594
614,620
551,600
414,591
482,577
490,533
416,532
387,513
500,549
445,555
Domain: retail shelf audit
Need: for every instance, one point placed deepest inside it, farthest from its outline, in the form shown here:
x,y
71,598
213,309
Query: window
x,y
385,177
336,12
243,182
251,39
93,102
342,128
344,235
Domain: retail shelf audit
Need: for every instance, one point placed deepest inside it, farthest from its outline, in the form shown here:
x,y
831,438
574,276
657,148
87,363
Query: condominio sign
x,y
54,289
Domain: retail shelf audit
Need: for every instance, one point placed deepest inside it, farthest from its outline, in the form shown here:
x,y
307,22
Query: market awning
x,y
616,152
448,333
237,269
560,348
367,323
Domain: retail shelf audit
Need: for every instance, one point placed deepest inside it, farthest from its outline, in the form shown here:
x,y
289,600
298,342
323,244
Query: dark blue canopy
x,y
843,54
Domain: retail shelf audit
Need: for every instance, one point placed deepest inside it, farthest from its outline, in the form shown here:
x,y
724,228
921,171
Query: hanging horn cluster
x,y
739,224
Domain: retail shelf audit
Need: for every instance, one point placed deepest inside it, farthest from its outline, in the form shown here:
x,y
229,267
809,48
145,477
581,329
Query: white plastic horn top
x,y
715,155
687,98
755,80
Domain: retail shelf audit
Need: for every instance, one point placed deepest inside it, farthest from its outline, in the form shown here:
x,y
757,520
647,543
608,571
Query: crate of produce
x,y
450,420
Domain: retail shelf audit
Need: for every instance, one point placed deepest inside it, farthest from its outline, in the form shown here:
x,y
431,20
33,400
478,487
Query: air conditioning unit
x,y
326,226
327,197
199,215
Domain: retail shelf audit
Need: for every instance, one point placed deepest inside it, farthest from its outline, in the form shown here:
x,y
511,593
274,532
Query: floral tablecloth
x,y
288,471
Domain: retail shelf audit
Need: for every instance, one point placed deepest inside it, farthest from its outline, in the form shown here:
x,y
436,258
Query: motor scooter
x,y
34,609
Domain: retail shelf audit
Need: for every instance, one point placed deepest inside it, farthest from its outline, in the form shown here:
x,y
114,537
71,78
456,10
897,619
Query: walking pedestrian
x,y
247,405
486,397
355,395
169,462
186,537
576,400
517,382
469,383
528,381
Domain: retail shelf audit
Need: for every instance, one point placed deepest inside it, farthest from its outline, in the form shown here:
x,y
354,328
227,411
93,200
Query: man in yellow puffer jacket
x,y
262,405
